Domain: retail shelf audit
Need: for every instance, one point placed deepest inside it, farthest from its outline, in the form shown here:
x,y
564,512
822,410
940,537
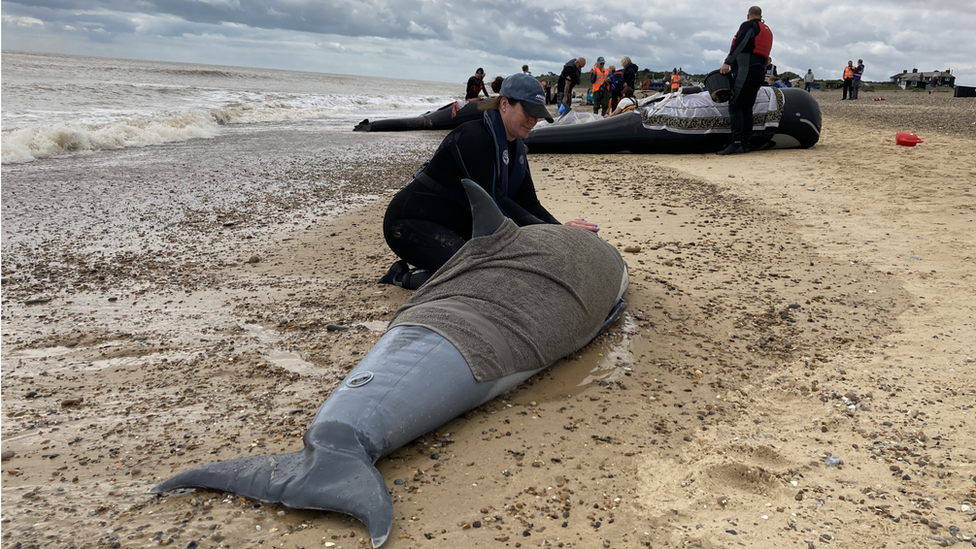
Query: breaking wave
x,y
39,140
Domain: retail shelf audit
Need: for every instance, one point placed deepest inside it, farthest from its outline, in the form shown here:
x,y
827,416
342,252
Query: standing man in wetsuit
x,y
568,79
747,64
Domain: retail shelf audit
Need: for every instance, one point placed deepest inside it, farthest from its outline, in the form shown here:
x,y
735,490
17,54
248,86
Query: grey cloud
x,y
100,27
445,40
411,19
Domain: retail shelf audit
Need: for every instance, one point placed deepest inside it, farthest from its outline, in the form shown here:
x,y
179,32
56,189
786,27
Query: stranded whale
x,y
685,123
512,301
447,117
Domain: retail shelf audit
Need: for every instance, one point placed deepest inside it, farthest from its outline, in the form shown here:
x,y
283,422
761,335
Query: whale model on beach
x,y
511,302
447,117
684,123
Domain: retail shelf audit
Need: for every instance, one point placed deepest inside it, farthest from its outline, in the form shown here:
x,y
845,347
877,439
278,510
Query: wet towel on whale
x,y
528,297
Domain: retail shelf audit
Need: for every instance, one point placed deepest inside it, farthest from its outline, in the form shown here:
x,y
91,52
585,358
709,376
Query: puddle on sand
x,y
65,359
94,331
374,325
126,329
603,363
291,362
266,339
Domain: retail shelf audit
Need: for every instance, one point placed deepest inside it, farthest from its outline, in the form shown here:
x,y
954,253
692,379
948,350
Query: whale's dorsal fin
x,y
485,215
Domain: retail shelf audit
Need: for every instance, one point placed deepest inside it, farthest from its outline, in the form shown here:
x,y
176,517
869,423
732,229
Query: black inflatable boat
x,y
784,118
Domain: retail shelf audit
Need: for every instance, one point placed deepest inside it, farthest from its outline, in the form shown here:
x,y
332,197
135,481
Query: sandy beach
x,y
797,366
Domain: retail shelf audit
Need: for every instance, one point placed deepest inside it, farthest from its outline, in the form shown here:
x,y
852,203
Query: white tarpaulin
x,y
696,113
692,113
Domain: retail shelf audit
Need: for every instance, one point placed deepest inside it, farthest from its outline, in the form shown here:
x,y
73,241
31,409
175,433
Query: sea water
x,y
56,105
107,156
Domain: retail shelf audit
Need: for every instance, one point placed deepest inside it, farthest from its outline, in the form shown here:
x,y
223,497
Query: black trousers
x,y
424,228
848,88
745,86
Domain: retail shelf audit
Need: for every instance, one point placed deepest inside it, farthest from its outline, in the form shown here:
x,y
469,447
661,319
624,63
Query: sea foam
x,y
45,140
61,106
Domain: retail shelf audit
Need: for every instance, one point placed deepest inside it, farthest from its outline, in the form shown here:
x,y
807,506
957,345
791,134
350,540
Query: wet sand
x,y
796,368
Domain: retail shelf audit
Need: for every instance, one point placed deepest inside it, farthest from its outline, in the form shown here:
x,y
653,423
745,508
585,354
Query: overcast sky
x,y
447,41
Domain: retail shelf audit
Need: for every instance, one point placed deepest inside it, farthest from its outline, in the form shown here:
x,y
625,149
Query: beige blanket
x,y
521,298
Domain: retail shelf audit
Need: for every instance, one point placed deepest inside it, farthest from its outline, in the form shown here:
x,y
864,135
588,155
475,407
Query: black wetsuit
x,y
430,218
570,73
618,88
474,88
747,71
630,75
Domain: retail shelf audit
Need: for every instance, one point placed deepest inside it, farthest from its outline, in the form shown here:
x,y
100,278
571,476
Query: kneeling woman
x,y
430,218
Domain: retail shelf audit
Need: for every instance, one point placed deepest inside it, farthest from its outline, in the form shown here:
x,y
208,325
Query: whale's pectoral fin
x,y
485,215
618,310
333,473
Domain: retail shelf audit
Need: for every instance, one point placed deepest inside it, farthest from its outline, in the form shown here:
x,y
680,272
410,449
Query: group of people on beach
x,y
852,79
430,218
609,86
852,75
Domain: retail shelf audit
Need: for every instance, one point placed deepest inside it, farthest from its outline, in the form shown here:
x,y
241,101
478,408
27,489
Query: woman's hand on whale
x,y
584,224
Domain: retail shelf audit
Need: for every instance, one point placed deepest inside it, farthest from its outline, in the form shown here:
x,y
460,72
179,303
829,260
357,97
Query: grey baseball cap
x,y
528,91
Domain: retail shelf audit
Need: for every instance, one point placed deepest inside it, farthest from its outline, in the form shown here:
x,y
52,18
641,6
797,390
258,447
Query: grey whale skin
x,y
411,382
443,118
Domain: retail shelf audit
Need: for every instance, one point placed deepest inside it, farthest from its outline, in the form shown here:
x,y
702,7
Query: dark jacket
x,y
504,175
630,75
474,88
571,73
741,52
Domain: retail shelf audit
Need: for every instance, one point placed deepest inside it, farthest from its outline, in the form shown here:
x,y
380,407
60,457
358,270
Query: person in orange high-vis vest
x,y
675,81
600,78
848,81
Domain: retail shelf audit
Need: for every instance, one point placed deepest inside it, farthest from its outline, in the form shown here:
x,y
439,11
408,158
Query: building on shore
x,y
915,79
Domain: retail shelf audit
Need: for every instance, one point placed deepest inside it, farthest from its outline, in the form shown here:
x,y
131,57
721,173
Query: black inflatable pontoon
x,y
685,123
444,118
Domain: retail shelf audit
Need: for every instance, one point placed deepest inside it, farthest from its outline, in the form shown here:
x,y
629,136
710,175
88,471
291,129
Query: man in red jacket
x,y
747,64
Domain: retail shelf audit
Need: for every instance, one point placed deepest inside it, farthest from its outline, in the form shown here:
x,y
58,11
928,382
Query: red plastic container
x,y
907,139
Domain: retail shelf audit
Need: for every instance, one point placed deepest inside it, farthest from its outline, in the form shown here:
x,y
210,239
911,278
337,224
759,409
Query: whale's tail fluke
x,y
334,472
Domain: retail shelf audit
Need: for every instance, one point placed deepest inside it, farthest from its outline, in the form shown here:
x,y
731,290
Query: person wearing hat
x,y
476,85
429,219
600,80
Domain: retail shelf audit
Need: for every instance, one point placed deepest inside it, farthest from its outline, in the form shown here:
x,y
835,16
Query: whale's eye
x,y
360,379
